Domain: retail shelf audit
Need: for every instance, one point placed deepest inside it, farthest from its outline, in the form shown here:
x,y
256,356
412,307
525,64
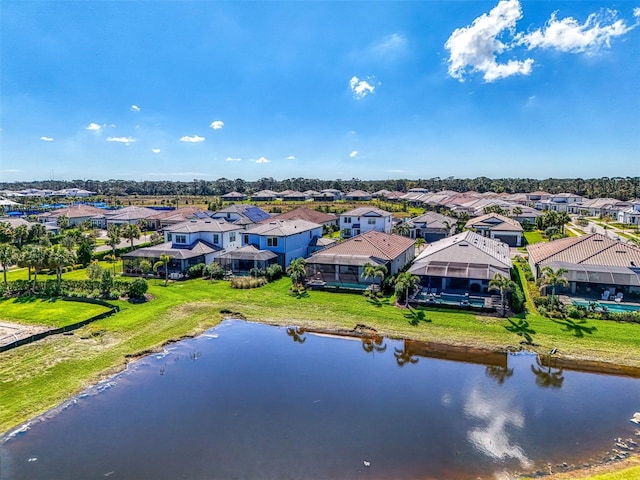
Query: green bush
x,y
213,271
137,288
274,272
517,299
196,270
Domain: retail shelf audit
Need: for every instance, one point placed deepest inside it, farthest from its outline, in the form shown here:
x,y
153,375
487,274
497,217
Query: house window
x,y
246,239
216,238
272,241
168,237
347,219
181,239
232,236
371,221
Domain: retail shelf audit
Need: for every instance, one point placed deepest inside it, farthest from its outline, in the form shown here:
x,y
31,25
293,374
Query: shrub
x,y
575,312
196,270
137,288
257,272
517,299
213,271
274,272
248,282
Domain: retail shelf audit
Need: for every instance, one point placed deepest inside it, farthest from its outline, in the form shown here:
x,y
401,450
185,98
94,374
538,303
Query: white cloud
x,y
636,12
353,154
194,139
46,139
135,108
155,150
391,45
568,35
290,157
263,160
217,124
126,140
231,159
476,46
360,88
94,127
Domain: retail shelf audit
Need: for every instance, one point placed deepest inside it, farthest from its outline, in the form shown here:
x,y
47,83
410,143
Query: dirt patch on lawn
x,y
10,332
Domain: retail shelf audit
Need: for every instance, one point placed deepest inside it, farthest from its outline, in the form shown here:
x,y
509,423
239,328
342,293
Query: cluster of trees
x,y
35,258
553,223
623,188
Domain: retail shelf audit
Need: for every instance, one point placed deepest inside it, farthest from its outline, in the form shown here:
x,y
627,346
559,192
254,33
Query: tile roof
x,y
371,244
182,253
75,211
468,247
366,212
283,228
305,214
184,212
434,220
593,249
494,221
195,226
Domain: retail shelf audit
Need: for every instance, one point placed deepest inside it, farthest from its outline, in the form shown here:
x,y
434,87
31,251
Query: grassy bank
x,y
52,313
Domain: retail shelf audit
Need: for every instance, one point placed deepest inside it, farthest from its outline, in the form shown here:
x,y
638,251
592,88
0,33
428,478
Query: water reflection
x,y
497,415
374,344
499,373
547,376
404,356
297,334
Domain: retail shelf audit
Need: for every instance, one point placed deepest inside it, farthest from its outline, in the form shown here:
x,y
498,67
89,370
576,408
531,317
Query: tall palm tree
x,y
376,271
8,256
58,258
113,238
130,231
503,285
552,278
163,262
405,281
403,229
563,218
20,235
296,272
34,256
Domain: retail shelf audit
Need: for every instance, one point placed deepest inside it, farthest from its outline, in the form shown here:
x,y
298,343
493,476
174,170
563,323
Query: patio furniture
x,y
618,297
605,295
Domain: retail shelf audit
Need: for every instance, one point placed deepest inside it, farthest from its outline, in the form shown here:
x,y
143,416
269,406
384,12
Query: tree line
x,y
622,188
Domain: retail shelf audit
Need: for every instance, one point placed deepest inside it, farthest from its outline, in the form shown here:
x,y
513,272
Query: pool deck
x,y
630,306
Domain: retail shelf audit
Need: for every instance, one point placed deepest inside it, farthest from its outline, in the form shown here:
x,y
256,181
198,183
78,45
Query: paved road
x,y
123,244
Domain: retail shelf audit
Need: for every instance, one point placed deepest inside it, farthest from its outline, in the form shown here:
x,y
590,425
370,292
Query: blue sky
x,y
373,90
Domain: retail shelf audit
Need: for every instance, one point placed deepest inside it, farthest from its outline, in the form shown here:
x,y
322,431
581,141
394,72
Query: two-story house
x,y
289,239
364,219
244,215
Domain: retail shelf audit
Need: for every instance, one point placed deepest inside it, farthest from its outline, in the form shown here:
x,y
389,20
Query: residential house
x,y
188,243
432,226
233,197
342,264
559,202
289,239
466,261
76,214
630,215
363,219
244,215
308,214
131,215
595,264
336,194
164,218
600,207
358,196
264,196
242,260
494,225
294,196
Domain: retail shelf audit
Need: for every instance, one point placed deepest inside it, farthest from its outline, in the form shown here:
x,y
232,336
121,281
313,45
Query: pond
x,y
253,401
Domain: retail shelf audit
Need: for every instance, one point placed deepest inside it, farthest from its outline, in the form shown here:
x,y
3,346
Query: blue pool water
x,y
611,306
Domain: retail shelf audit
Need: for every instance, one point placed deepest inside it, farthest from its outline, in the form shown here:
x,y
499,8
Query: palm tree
x,y
163,262
562,219
20,235
552,278
8,256
503,285
405,281
34,256
113,238
375,271
296,272
130,231
58,258
403,229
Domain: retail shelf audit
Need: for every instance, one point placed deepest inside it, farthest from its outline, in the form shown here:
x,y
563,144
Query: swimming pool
x,y
449,299
611,306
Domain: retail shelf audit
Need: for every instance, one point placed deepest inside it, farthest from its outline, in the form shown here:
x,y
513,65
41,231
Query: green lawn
x,y
534,236
80,274
53,313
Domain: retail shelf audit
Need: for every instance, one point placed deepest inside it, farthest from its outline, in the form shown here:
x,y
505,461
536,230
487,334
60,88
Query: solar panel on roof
x,y
256,214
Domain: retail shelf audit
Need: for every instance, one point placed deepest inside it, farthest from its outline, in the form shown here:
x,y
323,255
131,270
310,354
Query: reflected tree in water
x,y
374,344
547,377
404,356
499,373
297,334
